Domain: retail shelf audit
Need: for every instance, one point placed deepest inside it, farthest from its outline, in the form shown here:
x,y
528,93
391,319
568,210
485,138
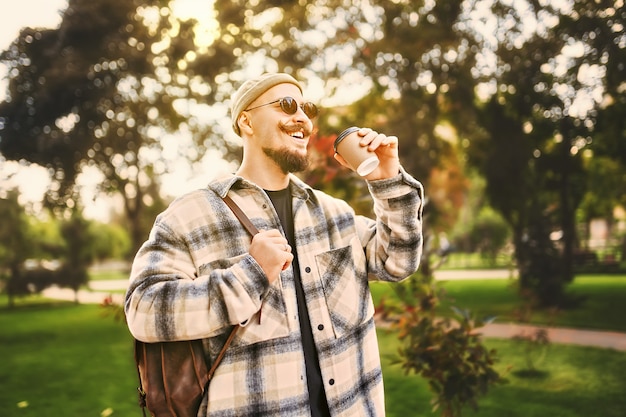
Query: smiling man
x,y
299,288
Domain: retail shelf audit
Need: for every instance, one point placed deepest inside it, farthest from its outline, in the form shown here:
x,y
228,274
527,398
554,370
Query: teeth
x,y
298,135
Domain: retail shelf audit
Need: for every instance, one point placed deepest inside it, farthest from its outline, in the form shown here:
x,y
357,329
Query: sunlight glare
x,y
203,12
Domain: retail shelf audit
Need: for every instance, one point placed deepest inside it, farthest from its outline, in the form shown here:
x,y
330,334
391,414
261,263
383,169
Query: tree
x,y
536,133
95,93
78,255
15,244
597,29
101,90
110,241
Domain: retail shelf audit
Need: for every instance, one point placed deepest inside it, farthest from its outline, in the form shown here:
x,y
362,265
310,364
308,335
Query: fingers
x,y
274,237
272,252
374,140
386,149
286,256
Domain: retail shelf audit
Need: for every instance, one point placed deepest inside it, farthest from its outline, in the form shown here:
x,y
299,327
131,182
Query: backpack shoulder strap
x,y
245,221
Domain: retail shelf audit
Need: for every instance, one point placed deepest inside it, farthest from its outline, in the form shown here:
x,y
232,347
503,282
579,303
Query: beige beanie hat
x,y
252,89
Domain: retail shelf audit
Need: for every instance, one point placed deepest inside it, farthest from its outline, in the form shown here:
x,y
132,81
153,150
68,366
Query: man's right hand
x,y
272,252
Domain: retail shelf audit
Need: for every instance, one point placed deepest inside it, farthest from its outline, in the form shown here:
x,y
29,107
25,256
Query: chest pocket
x,y
343,273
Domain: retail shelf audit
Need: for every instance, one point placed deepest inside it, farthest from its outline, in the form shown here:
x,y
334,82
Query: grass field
x,y
574,382
61,359
67,360
107,275
602,306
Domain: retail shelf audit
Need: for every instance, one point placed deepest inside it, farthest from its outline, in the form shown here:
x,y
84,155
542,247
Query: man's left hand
x,y
385,147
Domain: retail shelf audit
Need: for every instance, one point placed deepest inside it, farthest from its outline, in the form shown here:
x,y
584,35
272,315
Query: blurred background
x,y
510,112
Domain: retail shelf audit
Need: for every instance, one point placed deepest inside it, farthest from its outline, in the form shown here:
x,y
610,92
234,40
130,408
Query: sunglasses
x,y
290,106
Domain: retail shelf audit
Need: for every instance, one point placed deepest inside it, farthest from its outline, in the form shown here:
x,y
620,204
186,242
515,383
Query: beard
x,y
288,160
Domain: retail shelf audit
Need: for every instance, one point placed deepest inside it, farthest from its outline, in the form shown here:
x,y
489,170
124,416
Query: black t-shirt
x,y
319,405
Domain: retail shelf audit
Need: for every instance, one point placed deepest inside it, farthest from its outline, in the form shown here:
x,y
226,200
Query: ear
x,y
245,123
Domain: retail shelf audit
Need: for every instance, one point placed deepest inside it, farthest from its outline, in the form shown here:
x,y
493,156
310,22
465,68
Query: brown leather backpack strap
x,y
241,216
251,228
140,391
220,356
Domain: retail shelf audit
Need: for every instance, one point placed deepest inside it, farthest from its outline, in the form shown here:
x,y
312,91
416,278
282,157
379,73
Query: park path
x,y
99,290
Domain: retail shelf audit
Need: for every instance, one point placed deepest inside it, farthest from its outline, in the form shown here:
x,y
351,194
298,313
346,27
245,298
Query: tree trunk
x,y
568,225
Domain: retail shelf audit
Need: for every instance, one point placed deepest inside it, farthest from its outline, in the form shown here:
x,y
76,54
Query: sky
x,y
34,13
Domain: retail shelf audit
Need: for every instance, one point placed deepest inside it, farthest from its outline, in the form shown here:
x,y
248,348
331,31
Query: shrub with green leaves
x,y
448,352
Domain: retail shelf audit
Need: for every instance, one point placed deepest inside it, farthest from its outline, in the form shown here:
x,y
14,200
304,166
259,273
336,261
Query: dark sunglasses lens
x,y
288,105
310,110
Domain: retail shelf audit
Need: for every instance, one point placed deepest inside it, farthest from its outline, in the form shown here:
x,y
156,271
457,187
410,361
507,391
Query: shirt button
x,y
320,327
307,269
331,382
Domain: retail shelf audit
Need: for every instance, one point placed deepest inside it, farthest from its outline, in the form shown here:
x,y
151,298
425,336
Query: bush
x,y
448,352
487,234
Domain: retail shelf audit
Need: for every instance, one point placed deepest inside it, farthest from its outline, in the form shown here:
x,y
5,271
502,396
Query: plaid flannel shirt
x,y
194,278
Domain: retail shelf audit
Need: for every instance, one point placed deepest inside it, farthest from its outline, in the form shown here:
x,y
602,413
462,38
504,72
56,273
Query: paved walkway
x,y
84,296
450,275
99,290
560,335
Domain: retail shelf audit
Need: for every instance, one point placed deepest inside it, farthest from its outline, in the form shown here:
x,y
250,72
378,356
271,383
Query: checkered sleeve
x,y
187,281
394,242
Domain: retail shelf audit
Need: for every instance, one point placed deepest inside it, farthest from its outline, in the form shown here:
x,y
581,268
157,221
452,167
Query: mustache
x,y
297,127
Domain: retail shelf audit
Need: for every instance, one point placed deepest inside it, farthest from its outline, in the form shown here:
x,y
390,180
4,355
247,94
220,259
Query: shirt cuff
x,y
394,187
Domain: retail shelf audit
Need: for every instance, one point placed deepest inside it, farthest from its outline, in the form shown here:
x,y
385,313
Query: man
x,y
299,288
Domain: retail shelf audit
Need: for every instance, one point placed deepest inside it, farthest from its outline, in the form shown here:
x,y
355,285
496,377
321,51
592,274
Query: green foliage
x,y
535,346
48,242
52,251
16,244
486,234
458,260
79,243
29,281
94,91
575,382
600,306
449,352
606,188
536,141
100,91
535,341
110,241
15,232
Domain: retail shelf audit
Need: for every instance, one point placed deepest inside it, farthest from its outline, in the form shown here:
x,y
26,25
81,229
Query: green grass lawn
x,y
574,382
107,275
60,359
460,260
602,306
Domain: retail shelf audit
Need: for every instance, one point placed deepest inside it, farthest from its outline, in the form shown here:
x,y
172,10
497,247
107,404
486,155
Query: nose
x,y
300,116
